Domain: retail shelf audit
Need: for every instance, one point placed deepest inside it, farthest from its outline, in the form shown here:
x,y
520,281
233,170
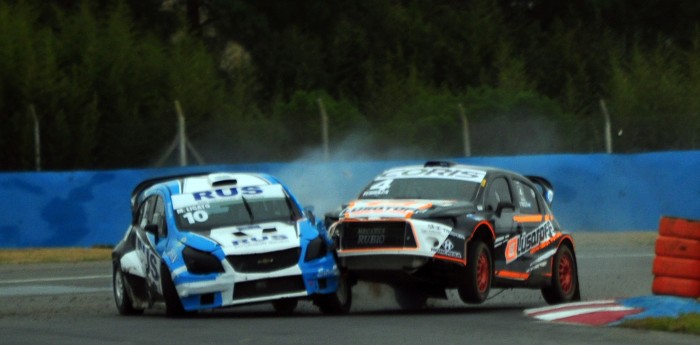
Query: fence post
x,y
608,129
181,134
465,131
37,137
324,129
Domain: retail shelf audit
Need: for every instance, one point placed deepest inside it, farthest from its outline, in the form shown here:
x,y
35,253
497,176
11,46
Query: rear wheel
x,y
475,283
285,306
564,285
338,302
121,294
173,305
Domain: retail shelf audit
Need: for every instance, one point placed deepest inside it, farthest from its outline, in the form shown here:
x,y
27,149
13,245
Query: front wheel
x,y
121,294
564,284
475,283
173,305
338,302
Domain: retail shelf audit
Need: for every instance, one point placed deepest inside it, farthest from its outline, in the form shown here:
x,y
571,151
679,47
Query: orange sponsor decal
x,y
530,242
528,218
512,249
402,209
449,258
545,243
532,218
512,275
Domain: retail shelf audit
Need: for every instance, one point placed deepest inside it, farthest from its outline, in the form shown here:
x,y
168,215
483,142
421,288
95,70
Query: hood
x,y
403,208
256,238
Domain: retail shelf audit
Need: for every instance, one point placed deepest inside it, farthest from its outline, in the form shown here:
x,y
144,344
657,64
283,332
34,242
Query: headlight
x,y
316,249
199,262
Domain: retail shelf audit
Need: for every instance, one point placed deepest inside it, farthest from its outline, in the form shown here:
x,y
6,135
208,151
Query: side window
x,y
159,217
527,198
498,191
145,212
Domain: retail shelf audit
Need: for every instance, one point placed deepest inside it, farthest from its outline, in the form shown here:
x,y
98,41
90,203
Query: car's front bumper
x,y
232,288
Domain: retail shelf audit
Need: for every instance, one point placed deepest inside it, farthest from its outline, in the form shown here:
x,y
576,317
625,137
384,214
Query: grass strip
x,y
48,255
686,323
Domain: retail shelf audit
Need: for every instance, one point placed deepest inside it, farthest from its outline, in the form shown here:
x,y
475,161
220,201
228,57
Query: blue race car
x,y
224,239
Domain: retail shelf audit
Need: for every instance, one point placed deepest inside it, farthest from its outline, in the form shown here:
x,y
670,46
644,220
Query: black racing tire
x,y
475,283
564,285
123,300
410,298
173,305
338,302
285,306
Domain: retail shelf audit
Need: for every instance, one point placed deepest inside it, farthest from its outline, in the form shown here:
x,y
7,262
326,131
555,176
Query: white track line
x,y
42,280
568,305
614,256
576,312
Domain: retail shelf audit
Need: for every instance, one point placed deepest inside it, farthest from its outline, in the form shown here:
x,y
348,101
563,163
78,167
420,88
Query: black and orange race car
x,y
426,228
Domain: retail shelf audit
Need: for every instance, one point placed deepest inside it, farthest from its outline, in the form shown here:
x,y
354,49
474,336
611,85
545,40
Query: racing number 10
x,y
196,216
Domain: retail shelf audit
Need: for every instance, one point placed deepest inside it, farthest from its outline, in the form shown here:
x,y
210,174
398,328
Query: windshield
x,y
421,188
233,212
230,206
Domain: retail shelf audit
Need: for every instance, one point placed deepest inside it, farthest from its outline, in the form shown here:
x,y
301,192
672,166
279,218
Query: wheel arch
x,y
568,242
484,232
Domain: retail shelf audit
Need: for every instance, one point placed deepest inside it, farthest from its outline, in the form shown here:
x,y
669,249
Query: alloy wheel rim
x,y
118,287
482,273
566,274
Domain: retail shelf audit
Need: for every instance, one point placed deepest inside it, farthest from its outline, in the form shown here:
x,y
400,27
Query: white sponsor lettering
x,y
434,172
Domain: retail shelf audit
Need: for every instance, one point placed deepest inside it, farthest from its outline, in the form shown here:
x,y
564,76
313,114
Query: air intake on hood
x,y
224,183
222,179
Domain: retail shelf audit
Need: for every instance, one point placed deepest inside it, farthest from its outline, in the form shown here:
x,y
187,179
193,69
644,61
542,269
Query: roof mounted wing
x,y
150,182
545,186
443,164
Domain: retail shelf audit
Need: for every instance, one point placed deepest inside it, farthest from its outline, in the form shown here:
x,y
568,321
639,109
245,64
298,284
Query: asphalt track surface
x,y
73,304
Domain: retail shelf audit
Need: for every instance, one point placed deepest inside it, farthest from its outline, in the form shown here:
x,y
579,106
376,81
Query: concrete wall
x,y
593,192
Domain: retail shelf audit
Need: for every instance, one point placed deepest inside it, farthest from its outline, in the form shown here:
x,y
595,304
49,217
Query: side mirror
x,y
504,205
309,213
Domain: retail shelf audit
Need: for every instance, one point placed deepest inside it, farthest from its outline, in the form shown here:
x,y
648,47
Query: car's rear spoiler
x,y
546,187
150,182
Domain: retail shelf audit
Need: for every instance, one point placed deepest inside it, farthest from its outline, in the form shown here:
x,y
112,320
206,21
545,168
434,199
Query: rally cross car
x,y
427,228
206,241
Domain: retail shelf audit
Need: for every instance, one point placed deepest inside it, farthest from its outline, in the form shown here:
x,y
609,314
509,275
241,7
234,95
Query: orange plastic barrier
x,y
680,228
678,247
676,266
676,287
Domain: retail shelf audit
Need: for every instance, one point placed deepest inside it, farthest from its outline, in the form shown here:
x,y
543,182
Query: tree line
x,y
101,77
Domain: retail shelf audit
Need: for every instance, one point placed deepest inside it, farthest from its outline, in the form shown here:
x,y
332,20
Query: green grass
x,y
687,323
48,255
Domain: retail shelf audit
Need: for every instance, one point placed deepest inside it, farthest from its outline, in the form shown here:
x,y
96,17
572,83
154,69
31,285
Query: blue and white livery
x,y
224,239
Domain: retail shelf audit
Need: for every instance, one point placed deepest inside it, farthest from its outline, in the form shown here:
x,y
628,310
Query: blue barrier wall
x,y
594,192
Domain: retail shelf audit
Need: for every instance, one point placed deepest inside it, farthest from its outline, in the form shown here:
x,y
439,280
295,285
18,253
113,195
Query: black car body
x,y
427,228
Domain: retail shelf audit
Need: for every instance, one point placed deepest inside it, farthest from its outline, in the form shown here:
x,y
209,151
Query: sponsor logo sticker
x,y
519,245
